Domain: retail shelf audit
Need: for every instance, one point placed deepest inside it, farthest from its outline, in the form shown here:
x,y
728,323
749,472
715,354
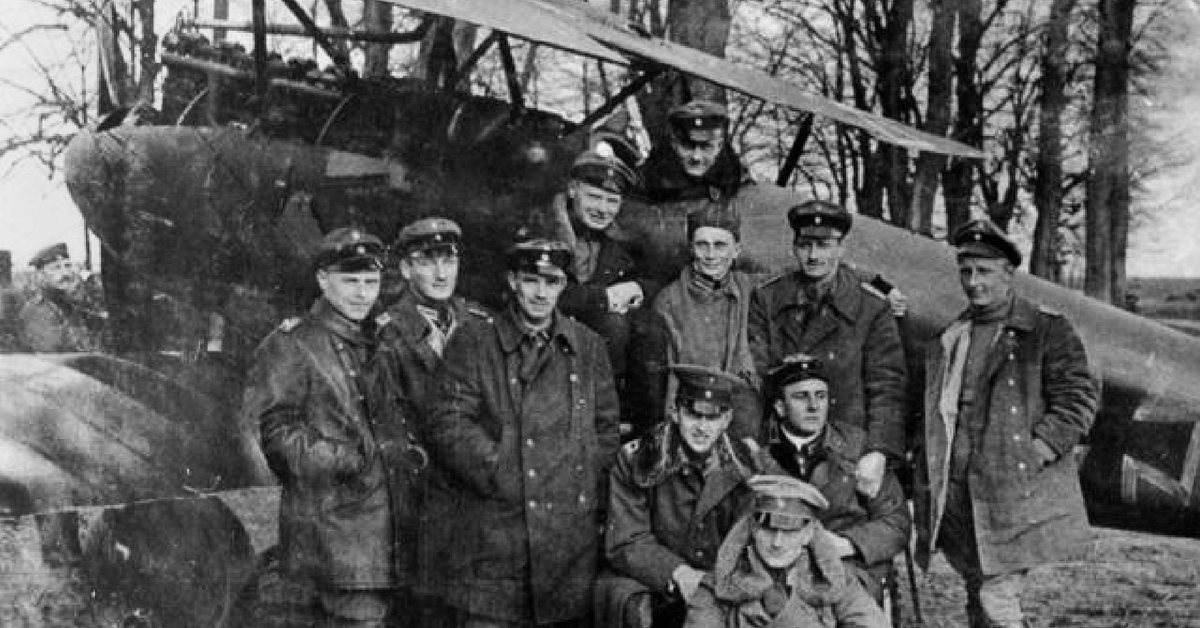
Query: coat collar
x,y
659,455
408,321
740,575
511,331
730,287
845,295
1022,316
326,316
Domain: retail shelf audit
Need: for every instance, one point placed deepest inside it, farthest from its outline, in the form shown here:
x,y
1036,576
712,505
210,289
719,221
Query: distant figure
x,y
1008,396
339,459
698,164
524,428
58,317
779,568
704,314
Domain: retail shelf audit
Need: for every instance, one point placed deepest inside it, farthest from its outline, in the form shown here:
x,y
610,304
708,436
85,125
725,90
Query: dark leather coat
x,y
310,393
1036,384
854,334
527,464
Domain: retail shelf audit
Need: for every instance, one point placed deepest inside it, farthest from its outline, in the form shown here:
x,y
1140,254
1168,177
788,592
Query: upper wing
x,y
577,26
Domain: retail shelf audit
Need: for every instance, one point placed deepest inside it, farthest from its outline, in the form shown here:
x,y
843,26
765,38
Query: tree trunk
x,y
937,114
1048,186
1108,187
379,19
895,78
958,181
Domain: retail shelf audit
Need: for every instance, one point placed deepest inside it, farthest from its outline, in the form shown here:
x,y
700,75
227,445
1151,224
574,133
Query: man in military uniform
x,y
825,310
524,429
1008,396
698,164
674,494
58,317
339,460
867,531
704,313
413,334
779,568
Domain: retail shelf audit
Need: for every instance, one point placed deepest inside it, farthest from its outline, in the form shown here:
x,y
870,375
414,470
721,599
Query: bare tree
x,y
1048,184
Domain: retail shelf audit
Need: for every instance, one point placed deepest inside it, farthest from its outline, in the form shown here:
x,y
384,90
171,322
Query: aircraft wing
x,y
579,27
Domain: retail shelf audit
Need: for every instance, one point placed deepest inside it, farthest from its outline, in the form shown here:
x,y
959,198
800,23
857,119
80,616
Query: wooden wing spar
x,y
580,28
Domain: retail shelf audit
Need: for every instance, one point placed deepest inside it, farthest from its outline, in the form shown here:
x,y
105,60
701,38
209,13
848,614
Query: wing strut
x,y
797,149
477,54
339,59
259,15
634,86
510,73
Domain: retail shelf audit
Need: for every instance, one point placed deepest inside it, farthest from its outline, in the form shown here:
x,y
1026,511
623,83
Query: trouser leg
x,y
993,600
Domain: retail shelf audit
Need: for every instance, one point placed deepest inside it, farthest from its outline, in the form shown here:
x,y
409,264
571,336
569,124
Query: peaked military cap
x,y
819,219
982,238
697,115
350,250
429,234
785,503
603,171
716,216
795,368
705,390
52,253
540,255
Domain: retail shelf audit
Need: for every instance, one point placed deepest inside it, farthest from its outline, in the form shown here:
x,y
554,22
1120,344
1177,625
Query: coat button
x,y
1012,357
1012,382
529,442
1014,410
532,505
574,377
532,473
513,381
549,505
1021,466
1017,437
582,498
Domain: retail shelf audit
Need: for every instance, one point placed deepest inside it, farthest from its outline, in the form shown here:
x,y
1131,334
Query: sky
x,y
36,210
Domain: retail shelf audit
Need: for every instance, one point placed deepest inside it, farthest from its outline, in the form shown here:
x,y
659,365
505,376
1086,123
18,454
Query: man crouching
x,y
673,496
778,568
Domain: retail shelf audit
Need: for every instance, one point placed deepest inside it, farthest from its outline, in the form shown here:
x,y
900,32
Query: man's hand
x,y
845,548
624,296
1044,452
869,474
687,580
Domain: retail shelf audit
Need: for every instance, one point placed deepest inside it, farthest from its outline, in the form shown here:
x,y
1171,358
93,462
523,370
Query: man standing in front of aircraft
x,y
413,334
524,428
1008,396
704,314
312,397
57,317
825,310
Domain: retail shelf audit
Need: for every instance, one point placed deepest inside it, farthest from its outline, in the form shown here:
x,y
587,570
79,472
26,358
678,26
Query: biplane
x,y
209,209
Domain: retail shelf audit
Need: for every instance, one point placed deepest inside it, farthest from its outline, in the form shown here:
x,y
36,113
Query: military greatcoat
x,y
853,333
311,399
1036,383
527,463
50,325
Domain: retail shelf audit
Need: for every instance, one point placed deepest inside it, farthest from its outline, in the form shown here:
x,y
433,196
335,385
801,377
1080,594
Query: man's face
x,y
780,549
702,427
536,294
819,256
352,294
60,274
595,207
804,406
432,274
986,281
698,149
714,251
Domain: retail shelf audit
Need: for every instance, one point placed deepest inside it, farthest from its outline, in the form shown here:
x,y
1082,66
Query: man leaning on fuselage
x,y
673,496
311,393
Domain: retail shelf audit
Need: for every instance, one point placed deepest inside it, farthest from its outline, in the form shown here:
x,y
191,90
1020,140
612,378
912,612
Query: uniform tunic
x,y
526,459
312,400
852,331
47,325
